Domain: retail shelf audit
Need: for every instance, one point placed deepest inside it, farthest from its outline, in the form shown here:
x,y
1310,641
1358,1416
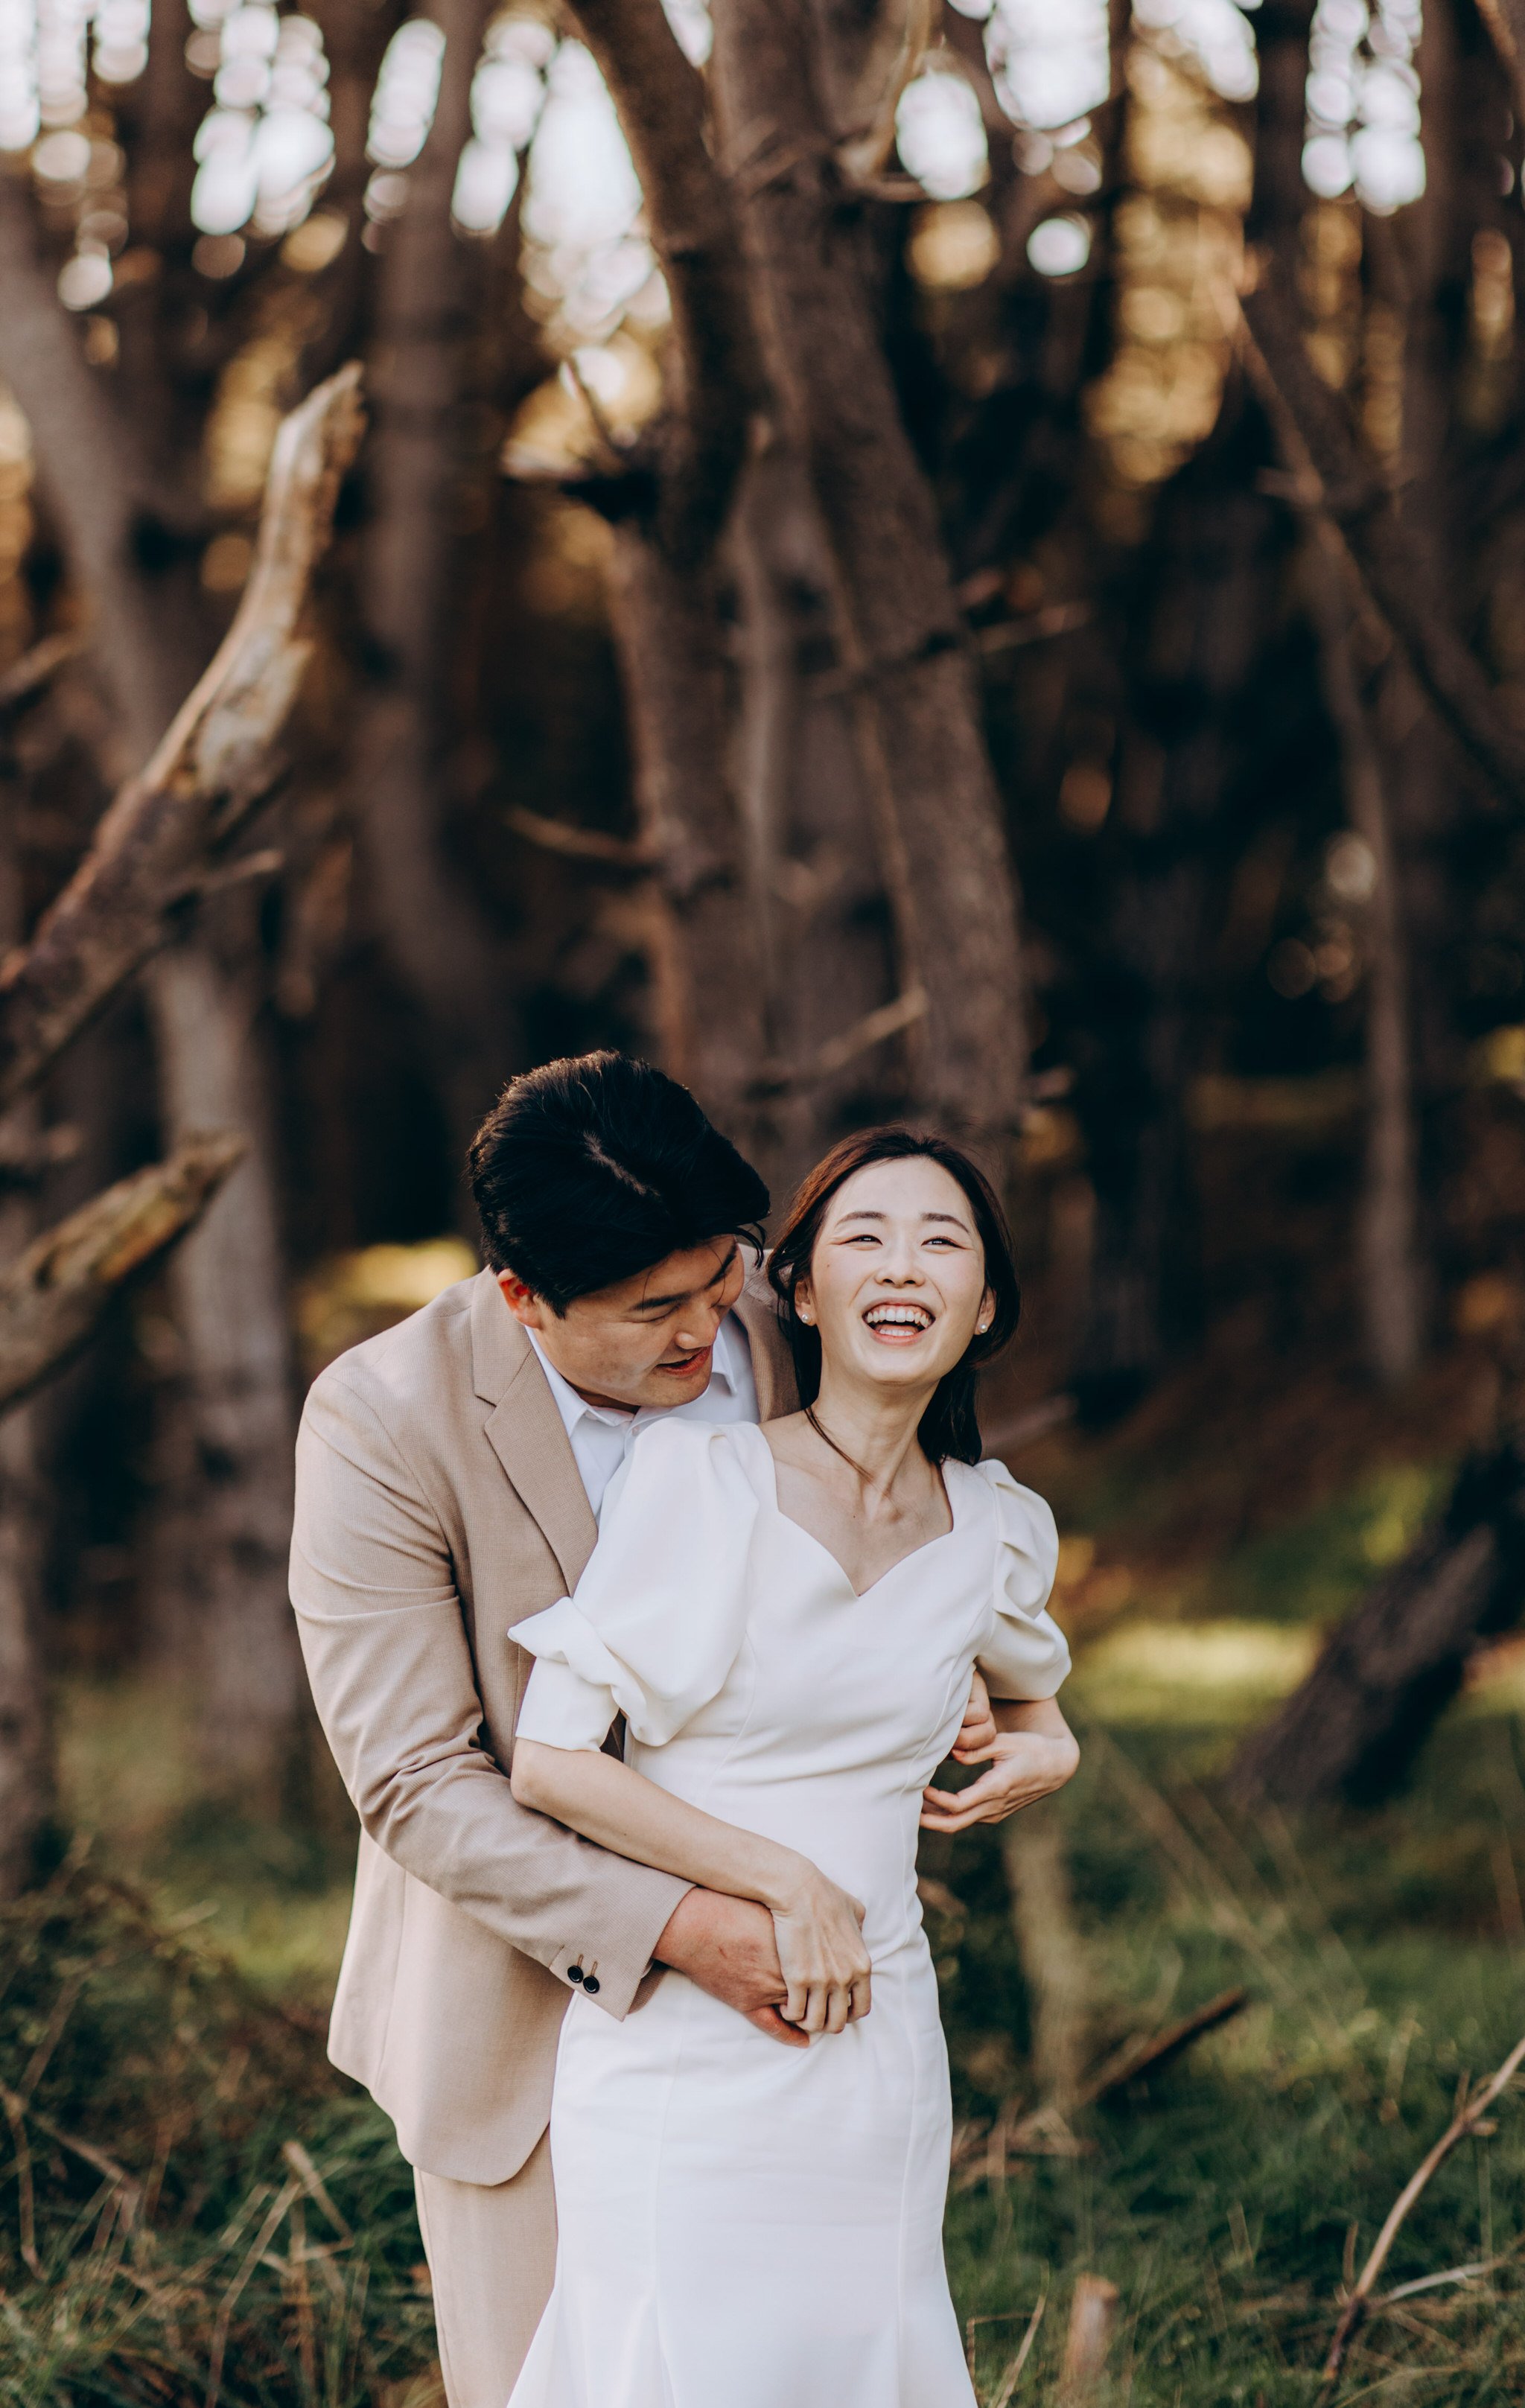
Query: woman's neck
x,y
874,1429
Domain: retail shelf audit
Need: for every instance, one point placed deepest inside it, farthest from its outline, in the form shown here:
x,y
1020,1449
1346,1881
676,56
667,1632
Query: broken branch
x,y
53,1296
170,823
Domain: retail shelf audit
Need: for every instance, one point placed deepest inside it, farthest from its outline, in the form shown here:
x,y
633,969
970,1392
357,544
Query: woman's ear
x,y
987,1312
803,1302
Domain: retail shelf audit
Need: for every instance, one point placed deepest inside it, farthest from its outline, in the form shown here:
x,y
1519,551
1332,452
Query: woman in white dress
x,y
788,1618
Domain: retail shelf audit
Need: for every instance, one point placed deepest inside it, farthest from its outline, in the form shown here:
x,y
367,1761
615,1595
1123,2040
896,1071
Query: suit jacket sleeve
x,y
384,1640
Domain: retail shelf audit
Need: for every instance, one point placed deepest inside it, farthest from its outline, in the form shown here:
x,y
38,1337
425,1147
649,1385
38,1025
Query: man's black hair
x,y
590,1170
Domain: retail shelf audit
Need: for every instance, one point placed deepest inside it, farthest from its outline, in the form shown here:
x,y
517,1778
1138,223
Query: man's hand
x,y
726,1945
1033,1754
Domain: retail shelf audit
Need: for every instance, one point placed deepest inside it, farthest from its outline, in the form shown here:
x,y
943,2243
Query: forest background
x,y
960,559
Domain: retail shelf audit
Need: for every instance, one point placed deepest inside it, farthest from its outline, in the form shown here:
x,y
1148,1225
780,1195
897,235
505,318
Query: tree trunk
x,y
229,1284
1386,1676
707,986
814,887
1386,1226
1205,599
429,281
915,707
27,1755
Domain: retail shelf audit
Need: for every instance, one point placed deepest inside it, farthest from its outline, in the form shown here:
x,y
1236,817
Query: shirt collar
x,y
725,1368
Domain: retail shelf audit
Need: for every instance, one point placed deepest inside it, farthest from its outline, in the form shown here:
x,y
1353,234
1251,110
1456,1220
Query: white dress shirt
x,y
602,1435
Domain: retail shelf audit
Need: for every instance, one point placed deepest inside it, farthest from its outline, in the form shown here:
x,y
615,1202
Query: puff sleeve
x,y
659,1614
1026,1656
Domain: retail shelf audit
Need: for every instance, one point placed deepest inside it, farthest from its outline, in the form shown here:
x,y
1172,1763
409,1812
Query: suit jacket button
x,y
574,1974
590,1983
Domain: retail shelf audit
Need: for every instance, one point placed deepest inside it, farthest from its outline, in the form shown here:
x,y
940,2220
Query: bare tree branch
x,y
1505,22
169,824
54,1295
724,383
1345,486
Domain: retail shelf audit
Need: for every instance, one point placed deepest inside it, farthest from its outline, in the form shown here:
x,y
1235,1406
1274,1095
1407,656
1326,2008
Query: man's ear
x,y
522,1301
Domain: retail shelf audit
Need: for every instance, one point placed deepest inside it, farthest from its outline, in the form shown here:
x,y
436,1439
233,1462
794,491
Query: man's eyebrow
x,y
665,1303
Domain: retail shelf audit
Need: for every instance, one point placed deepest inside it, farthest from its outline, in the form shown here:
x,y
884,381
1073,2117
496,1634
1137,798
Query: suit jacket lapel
x,y
525,1431
772,1366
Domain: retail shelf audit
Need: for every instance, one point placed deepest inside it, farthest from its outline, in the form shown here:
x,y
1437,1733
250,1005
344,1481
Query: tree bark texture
x,y
1388,1258
916,712
239,1386
814,889
1386,1674
707,984
1390,561
427,280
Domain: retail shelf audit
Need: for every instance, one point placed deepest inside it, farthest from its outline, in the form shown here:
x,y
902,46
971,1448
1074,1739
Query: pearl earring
x,y
980,1329
807,1318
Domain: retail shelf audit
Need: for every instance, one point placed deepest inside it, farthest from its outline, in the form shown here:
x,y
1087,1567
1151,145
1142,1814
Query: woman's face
x,y
897,1282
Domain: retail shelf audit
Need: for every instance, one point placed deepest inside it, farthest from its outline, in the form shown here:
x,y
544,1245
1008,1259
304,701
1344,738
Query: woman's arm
x,y
1033,1754
826,1965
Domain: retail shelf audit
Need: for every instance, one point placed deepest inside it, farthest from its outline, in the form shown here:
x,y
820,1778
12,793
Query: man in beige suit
x,y
449,1477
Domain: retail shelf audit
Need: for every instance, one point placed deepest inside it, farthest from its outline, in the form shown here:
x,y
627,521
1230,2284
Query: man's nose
x,y
699,1329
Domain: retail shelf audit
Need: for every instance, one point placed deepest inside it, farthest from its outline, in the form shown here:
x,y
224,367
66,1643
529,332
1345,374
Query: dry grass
x,y
194,2209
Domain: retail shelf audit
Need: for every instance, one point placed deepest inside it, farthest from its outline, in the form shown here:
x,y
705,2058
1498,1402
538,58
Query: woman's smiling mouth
x,y
898,1325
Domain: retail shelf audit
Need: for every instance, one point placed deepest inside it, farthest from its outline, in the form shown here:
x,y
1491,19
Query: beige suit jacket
x,y
438,1502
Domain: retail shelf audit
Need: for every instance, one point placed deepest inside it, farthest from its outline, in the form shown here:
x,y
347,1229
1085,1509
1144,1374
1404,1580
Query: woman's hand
x,y
1033,1754
820,1946
977,1738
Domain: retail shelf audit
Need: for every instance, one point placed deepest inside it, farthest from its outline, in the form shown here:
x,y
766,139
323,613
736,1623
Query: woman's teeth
x,y
911,1317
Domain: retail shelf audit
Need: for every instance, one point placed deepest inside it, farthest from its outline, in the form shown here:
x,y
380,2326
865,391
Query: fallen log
x,y
171,825
1387,1674
53,1296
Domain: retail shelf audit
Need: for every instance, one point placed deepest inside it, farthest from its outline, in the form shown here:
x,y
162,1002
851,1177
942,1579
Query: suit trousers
x,y
491,2253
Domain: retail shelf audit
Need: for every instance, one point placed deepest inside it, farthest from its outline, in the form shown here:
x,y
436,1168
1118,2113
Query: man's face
x,y
646,1341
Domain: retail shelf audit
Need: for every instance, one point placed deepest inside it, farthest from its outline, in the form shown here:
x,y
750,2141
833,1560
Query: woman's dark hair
x,y
588,1171
950,1425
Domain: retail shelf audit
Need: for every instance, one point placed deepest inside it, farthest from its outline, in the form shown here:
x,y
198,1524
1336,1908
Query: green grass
x,y
1228,2198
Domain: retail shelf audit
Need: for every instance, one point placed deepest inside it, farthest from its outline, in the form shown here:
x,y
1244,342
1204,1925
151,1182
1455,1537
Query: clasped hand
x,y
1030,1751
826,1968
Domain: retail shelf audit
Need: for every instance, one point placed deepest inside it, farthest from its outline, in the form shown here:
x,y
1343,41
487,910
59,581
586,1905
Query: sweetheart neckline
x,y
835,1560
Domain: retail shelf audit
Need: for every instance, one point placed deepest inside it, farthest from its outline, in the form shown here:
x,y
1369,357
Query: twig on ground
x,y
1006,2389
26,2201
1465,2121
1147,2053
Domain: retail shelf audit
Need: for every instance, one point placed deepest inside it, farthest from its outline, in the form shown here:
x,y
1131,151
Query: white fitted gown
x,y
742,2225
